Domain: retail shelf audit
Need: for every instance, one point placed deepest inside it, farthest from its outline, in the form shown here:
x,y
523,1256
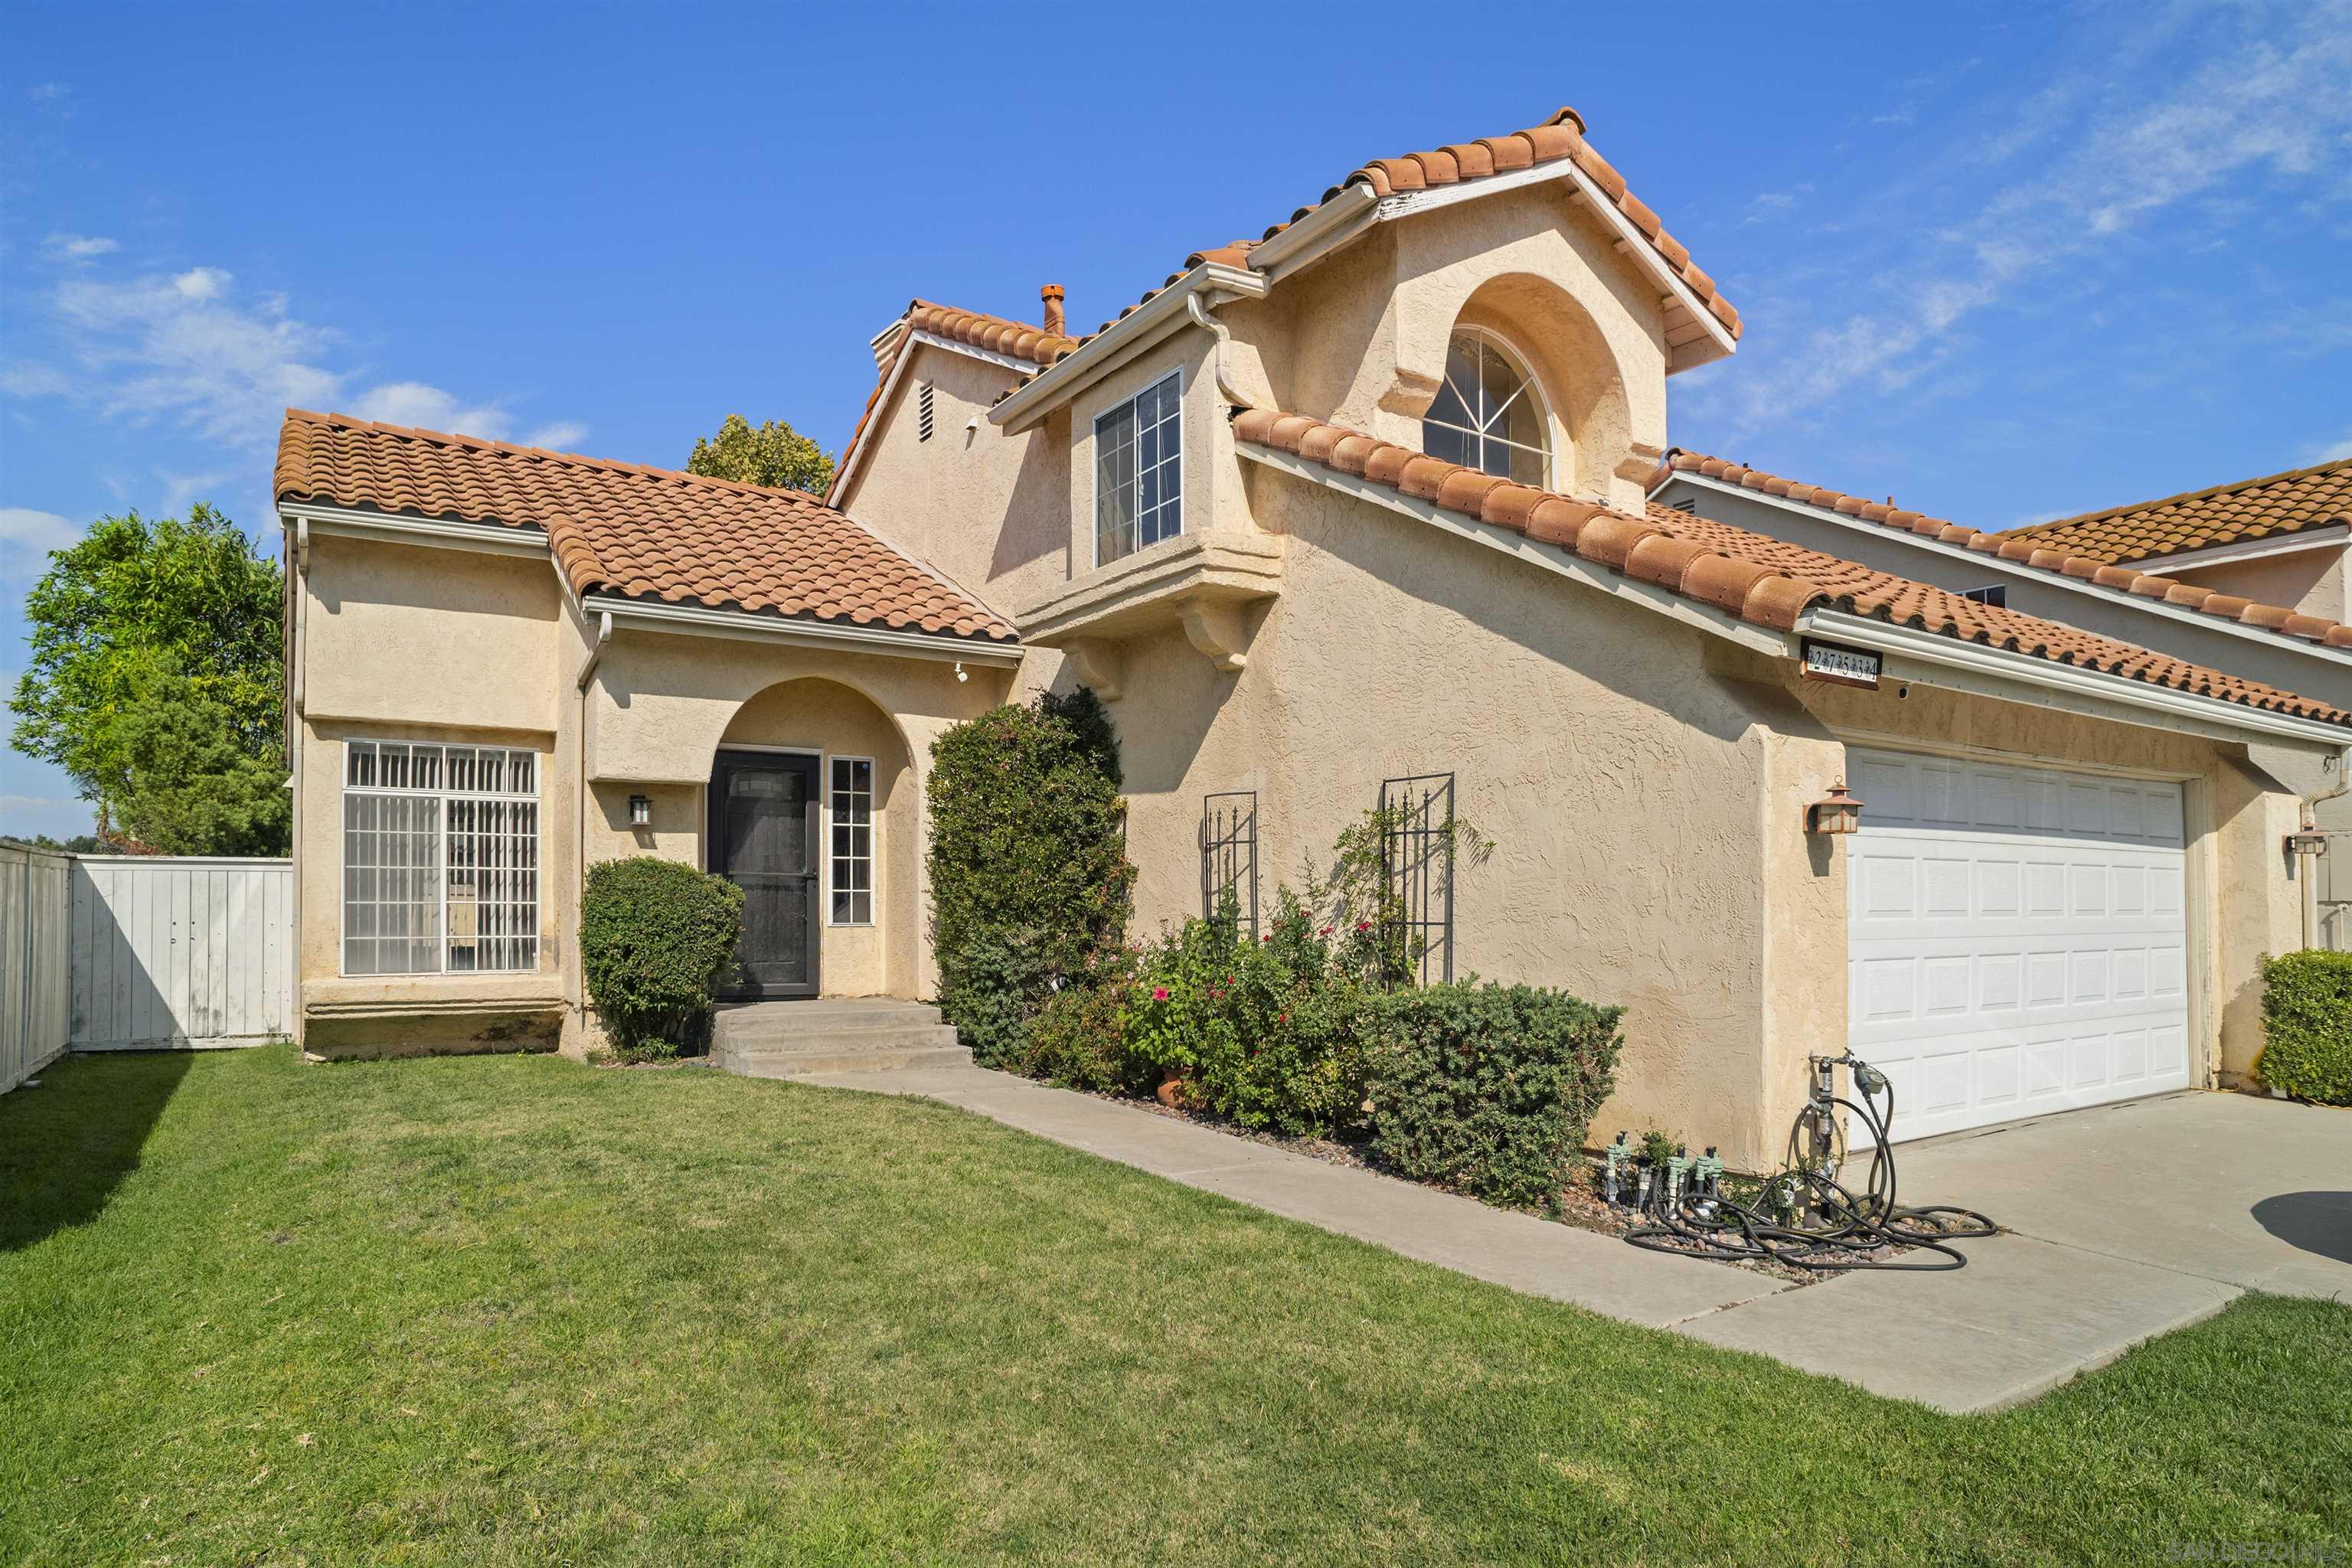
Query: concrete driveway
x,y
2253,1192
2122,1222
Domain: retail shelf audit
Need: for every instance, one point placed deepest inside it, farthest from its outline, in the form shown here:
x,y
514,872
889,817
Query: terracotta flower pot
x,y
1171,1092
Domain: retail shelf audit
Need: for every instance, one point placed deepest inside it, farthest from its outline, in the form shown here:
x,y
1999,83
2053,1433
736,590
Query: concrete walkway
x,y
2127,1222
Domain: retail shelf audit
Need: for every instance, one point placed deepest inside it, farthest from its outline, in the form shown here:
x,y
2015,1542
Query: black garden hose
x,y
1849,1230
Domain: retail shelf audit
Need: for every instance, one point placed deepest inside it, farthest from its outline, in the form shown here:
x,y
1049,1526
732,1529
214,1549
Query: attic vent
x,y
1995,597
923,411
1688,504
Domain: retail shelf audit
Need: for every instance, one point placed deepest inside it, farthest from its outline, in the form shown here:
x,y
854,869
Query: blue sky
x,y
2003,263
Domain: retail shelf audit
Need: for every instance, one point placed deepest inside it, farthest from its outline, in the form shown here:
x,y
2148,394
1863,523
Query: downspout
x,y
298,585
2308,892
1223,335
575,992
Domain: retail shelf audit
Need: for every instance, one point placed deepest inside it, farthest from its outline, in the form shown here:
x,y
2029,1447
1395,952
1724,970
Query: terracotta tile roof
x,y
632,531
1760,580
2025,547
998,335
2199,520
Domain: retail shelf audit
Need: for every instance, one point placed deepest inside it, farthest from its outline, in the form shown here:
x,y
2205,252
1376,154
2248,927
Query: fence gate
x,y
1229,856
1417,864
181,950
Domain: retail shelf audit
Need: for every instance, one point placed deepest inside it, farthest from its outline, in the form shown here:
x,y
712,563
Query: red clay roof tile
x,y
2234,513
641,532
1772,581
2024,547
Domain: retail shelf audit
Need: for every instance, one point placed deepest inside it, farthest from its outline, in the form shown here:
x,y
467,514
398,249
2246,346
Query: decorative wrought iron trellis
x,y
1229,856
1417,867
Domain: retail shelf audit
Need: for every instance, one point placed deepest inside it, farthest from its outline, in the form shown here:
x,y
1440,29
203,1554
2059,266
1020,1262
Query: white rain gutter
x,y
576,994
698,619
1120,341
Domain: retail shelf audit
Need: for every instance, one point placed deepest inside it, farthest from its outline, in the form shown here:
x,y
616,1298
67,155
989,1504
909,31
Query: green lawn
x,y
514,1311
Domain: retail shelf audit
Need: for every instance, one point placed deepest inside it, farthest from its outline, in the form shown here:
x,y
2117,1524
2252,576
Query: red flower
x,y
1362,926
1159,994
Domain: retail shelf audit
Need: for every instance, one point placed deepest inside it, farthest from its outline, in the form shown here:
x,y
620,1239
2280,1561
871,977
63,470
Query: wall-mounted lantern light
x,y
641,811
2309,841
1838,812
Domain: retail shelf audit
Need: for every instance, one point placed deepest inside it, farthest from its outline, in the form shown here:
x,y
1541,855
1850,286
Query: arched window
x,y
1488,414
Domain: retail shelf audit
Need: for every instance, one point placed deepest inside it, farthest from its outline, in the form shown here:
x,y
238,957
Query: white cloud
x,y
27,537
78,246
430,408
2326,451
1773,204
560,437
179,489
187,347
2267,101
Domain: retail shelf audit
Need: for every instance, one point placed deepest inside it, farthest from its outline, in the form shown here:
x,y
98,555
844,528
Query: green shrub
x,y
1486,1089
1030,881
1076,1039
2307,1026
655,936
1266,1032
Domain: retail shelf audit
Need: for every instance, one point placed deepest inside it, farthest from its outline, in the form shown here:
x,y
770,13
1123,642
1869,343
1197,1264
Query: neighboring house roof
x,y
2235,513
2023,547
1017,340
1758,579
631,531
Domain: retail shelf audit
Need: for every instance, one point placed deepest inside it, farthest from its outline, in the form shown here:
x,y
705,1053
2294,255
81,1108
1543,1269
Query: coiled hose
x,y
1830,1226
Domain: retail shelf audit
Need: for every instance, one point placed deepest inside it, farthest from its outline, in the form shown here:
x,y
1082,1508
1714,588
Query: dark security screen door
x,y
763,838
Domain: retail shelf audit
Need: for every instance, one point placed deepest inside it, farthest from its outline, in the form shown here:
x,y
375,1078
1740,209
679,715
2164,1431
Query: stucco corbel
x,y
1409,393
1096,664
1220,631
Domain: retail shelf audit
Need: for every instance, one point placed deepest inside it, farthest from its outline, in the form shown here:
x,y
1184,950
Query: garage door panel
x,y
2016,941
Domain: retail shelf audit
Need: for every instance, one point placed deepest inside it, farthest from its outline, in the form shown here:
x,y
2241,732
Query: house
x,y
1357,506
2249,576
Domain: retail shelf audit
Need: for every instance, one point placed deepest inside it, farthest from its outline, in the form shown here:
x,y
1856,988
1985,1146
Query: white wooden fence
x,y
181,950
35,897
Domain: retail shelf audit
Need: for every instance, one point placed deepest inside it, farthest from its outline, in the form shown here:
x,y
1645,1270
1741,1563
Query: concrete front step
x,y
789,1039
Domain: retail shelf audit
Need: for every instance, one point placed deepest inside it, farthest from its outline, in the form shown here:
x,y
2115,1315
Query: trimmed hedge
x,y
2307,1026
1030,881
655,936
1487,1089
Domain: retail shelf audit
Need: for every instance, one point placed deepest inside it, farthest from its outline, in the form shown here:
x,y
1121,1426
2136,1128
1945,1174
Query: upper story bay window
x,y
1488,414
1138,464
440,858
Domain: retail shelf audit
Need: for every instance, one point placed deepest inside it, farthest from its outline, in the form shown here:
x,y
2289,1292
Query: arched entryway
x,y
812,811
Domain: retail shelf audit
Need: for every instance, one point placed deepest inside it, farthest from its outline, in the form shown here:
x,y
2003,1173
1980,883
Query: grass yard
x,y
515,1311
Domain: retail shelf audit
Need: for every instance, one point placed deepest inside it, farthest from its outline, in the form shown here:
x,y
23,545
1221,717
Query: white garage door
x,y
2016,942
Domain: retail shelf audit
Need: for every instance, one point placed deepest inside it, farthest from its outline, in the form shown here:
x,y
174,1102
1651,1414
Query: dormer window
x,y
1488,414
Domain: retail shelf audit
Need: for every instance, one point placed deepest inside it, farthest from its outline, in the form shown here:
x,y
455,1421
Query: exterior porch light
x,y
641,811
2307,840
1837,812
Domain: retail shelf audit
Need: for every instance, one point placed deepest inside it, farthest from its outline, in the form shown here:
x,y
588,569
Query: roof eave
x,y
704,620
1157,317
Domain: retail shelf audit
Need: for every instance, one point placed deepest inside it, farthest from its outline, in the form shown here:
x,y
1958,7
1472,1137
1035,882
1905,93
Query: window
x,y
1996,597
1138,492
923,411
1488,414
853,841
440,858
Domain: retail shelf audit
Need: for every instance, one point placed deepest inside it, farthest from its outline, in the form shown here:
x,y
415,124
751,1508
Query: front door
x,y
764,839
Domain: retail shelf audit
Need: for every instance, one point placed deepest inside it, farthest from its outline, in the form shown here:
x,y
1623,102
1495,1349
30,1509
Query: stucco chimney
x,y
1052,294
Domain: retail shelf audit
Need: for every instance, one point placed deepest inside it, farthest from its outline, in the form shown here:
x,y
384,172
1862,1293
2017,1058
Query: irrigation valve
x,y
1620,1161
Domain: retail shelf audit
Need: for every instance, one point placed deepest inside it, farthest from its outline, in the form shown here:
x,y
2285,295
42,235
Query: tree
x,y
774,455
140,614
181,779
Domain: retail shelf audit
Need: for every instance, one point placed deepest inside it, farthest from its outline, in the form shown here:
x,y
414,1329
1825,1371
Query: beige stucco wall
x,y
401,641
1644,784
2311,580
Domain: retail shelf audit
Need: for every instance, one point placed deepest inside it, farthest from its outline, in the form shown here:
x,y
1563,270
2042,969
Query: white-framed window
x,y
1138,470
440,858
1488,414
851,863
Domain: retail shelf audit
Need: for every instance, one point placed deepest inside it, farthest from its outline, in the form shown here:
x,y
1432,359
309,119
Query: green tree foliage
x,y
774,455
656,936
181,780
145,614
1030,883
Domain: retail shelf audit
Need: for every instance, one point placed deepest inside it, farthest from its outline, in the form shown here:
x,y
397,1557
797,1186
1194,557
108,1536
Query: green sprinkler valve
x,y
1678,1173
1613,1184
1707,1173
